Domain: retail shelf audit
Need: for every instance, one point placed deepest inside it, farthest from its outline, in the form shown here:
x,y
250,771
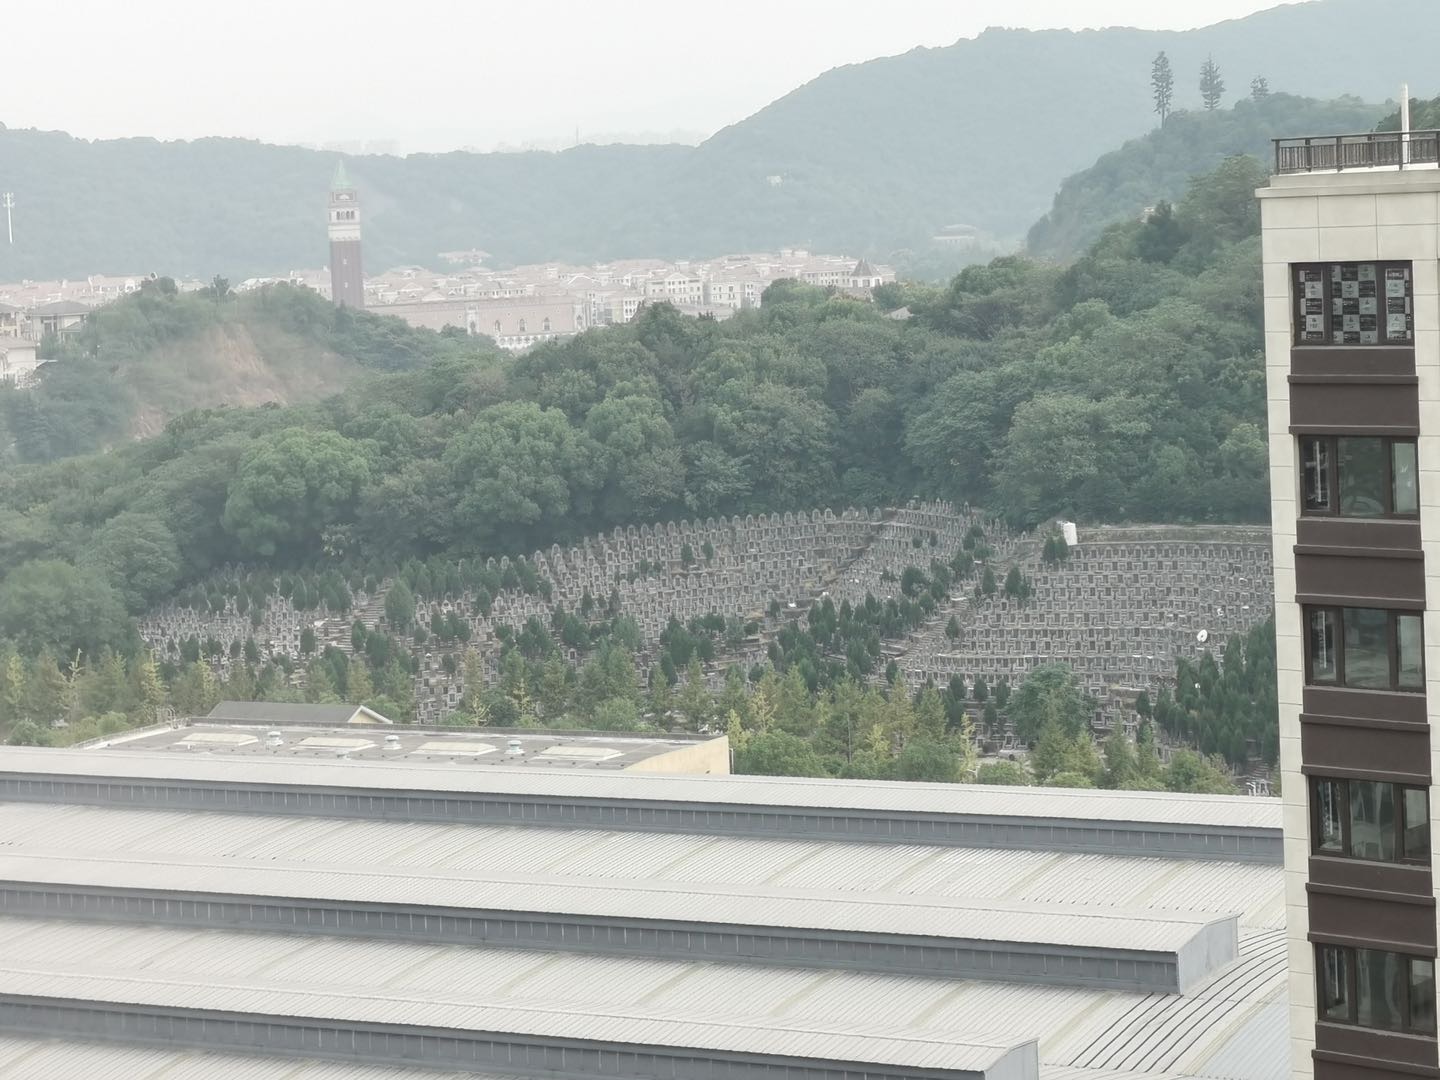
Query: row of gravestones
x,y
1117,638
279,631
754,562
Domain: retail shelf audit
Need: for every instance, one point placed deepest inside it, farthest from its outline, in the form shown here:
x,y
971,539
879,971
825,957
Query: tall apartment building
x,y
1352,353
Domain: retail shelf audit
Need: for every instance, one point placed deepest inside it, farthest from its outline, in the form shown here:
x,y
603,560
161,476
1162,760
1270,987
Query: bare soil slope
x,y
234,363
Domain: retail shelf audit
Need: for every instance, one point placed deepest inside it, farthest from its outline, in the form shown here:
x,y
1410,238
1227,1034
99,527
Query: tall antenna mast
x,y
8,201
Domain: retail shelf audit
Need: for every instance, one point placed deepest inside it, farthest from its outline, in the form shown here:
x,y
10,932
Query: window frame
x,y
1352,989
1297,314
1343,804
1392,648
1332,476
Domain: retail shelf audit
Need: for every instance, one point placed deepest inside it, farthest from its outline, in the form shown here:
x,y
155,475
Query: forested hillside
x,y
1160,165
870,159
1424,116
148,358
1127,387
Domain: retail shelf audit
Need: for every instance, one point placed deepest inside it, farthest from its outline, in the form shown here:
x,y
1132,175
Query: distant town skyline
x,y
457,74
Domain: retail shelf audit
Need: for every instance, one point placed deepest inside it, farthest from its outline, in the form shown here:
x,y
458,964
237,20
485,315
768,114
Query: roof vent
x,y
274,739
513,748
392,742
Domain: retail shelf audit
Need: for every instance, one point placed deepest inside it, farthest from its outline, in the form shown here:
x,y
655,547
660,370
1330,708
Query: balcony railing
x,y
1371,150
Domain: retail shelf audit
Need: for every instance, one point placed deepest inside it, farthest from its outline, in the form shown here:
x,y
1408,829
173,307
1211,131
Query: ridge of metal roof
x,y
1126,930
509,850
203,993
1083,1027
790,793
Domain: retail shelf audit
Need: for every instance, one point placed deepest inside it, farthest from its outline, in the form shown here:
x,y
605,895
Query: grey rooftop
x,y
1063,945
1106,1030
280,732
1113,822
996,875
533,1038
272,712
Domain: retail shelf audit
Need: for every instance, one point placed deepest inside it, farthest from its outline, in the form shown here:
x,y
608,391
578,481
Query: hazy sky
x,y
440,74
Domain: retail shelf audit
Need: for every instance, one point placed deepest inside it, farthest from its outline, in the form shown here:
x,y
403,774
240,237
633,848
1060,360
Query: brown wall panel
x,y
1346,1069
1381,360
1359,535
1381,705
1343,750
1369,922
1362,408
1373,1048
1383,879
1358,580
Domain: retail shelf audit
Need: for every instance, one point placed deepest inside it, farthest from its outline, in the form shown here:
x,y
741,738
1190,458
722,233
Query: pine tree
x,y
149,687
241,684
195,691
1212,86
693,699
987,582
1162,84
966,751
320,684
930,715
359,686
12,691
45,691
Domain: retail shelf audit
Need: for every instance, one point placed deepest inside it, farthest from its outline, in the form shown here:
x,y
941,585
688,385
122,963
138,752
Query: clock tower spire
x,y
347,278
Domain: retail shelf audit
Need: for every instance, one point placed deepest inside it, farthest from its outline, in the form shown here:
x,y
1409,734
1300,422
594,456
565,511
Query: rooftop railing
x,y
1371,150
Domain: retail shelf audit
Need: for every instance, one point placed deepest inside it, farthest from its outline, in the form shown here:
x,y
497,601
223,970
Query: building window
x,y
1372,988
1370,819
1367,303
546,327
522,326
1356,476
1364,649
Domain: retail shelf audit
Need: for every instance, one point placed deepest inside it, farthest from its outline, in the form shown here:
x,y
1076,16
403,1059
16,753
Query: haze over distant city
x,y
456,74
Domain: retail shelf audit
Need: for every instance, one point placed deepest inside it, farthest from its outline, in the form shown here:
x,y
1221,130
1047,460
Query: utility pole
x,y
8,201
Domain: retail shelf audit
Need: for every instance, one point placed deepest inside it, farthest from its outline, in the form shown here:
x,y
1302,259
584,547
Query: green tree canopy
x,y
777,753
46,603
1050,694
290,487
139,552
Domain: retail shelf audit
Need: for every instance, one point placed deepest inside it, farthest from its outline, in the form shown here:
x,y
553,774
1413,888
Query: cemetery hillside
x,y
874,159
859,550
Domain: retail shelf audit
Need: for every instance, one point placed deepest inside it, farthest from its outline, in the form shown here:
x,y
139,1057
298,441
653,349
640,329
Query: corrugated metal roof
x,y
1160,808
1044,877
920,1049
1077,1027
53,1059
1248,1047
1066,1072
1105,928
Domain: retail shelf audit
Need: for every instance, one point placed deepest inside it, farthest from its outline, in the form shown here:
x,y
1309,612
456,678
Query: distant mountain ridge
x,y
869,159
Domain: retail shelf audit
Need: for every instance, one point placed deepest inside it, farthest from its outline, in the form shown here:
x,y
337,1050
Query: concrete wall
x,y
708,758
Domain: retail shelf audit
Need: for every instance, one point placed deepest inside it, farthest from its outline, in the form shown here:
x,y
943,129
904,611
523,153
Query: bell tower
x,y
347,278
